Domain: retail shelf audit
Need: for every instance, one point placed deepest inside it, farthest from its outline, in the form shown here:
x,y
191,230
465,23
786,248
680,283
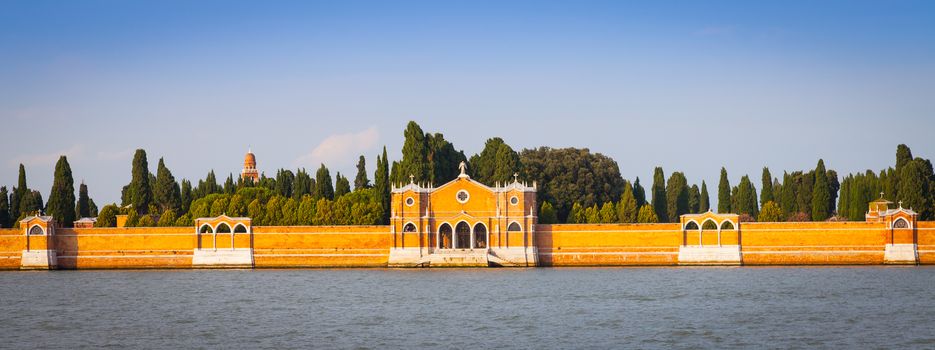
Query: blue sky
x,y
690,86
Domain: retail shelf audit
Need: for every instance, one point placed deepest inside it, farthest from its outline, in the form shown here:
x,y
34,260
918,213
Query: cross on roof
x,y
412,178
515,177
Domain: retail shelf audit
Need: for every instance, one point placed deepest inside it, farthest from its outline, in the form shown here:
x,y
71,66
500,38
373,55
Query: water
x,y
843,307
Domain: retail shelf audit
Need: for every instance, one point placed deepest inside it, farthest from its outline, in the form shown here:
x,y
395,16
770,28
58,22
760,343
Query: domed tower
x,y
249,168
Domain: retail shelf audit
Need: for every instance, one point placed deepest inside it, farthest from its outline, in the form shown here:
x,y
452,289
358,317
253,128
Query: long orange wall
x,y
608,244
321,246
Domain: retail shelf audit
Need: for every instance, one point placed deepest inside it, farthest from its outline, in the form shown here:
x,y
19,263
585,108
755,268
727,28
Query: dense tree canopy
x,y
496,163
570,175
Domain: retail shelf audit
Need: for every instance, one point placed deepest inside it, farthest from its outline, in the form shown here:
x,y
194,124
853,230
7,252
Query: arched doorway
x,y
444,236
463,234
480,236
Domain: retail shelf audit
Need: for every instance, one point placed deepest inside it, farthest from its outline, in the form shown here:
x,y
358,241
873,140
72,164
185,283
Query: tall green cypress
x,y
381,185
659,194
627,208
83,208
19,194
361,181
302,185
723,193
677,196
62,199
705,200
914,188
766,193
166,192
342,185
743,199
821,194
787,199
694,200
185,196
5,217
324,187
903,156
639,193
415,155
139,191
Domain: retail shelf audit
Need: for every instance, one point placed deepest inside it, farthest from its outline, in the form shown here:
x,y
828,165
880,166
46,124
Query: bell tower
x,y
249,171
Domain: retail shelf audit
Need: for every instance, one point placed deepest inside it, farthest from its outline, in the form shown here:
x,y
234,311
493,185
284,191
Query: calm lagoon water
x,y
787,307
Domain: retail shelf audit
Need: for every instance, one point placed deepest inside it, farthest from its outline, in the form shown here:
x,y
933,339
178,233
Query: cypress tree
x,y
723,193
5,220
694,200
302,185
639,193
608,213
19,194
323,186
705,201
547,214
677,197
139,191
821,194
627,208
166,192
787,199
659,194
415,155
342,185
577,214
914,188
381,184
83,208
903,156
647,215
62,199
766,193
361,181
743,200
185,196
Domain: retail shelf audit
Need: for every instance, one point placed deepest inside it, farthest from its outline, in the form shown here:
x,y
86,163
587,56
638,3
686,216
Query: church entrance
x,y
463,232
444,236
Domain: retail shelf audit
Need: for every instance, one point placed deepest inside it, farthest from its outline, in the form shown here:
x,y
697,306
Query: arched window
x,y
480,236
240,228
514,227
223,228
409,228
444,236
463,236
727,225
205,229
36,231
691,225
709,225
900,223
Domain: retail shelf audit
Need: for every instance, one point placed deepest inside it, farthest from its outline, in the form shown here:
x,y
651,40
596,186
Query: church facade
x,y
463,223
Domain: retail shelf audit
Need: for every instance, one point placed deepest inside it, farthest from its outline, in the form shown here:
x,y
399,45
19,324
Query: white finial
x,y
881,194
463,168
515,177
900,204
412,178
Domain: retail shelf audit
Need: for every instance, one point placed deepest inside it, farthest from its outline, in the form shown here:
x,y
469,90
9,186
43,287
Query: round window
x,y
463,196
514,200
410,201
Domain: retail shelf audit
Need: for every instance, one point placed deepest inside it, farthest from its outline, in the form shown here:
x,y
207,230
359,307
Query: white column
x,y
718,236
473,244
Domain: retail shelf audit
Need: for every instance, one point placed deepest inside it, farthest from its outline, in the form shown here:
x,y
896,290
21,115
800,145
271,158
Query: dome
x,y
249,160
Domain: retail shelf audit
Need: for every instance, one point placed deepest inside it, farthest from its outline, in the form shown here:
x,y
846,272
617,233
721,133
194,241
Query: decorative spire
x,y
463,168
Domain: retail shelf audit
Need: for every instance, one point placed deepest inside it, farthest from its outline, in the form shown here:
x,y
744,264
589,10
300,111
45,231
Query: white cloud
x,y
340,149
50,158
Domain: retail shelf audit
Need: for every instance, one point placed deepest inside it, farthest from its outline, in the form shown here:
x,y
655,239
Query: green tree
x,y
787,200
62,199
220,205
185,195
6,221
108,216
569,175
20,192
443,159
166,193
914,187
229,186
771,212
677,197
289,210
660,205
185,221
302,185
705,200
306,211
627,208
766,193
381,185
903,156
639,193
273,214
284,179
146,221
547,214
577,214
139,193
496,163
821,194
694,200
341,186
167,219
324,188
723,193
647,215
743,200
361,181
608,213
236,207
592,214
83,207
415,155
